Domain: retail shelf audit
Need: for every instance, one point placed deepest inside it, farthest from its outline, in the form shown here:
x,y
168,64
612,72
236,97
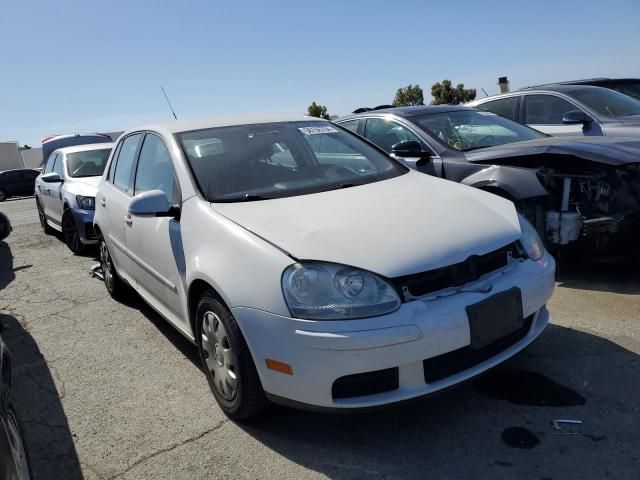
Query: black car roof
x,y
411,111
586,81
557,87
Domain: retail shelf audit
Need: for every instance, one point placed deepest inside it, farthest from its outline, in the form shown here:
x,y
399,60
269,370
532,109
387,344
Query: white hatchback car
x,y
66,189
313,270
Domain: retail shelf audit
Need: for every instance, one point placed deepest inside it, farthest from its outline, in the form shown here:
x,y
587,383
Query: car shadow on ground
x,y
621,276
439,434
48,438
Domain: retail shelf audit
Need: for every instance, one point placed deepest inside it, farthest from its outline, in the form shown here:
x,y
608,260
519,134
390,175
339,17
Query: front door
x,y
545,112
53,194
113,200
155,243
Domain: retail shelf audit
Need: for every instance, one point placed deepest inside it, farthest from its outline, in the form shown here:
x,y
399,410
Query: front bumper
x,y
322,352
84,221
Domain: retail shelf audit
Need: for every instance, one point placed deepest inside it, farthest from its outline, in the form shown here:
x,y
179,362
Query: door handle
x,y
128,220
48,190
103,202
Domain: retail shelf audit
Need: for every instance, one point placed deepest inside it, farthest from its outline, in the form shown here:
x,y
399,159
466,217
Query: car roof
x,y
586,81
186,125
84,148
556,87
19,170
410,111
53,138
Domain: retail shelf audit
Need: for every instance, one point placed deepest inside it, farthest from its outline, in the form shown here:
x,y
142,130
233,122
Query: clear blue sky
x,y
85,65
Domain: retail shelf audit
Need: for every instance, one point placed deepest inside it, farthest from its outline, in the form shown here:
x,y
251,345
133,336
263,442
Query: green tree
x,y
409,95
443,93
319,111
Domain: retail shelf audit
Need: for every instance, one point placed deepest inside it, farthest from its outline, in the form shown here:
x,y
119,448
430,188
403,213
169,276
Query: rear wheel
x,y
116,287
43,219
227,361
71,233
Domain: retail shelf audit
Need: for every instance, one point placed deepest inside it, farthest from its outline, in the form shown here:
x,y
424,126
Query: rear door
x,y
114,197
155,243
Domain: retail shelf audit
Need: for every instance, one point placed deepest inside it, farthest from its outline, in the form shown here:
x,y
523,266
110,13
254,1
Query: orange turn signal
x,y
279,366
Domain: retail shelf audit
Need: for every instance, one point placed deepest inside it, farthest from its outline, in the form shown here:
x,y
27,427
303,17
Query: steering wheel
x,y
339,171
481,141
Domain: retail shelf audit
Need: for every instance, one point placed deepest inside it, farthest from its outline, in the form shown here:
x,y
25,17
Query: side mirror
x,y
51,178
153,203
409,148
574,117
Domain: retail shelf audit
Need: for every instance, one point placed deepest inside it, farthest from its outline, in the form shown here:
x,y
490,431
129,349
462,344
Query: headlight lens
x,y
86,203
328,291
530,240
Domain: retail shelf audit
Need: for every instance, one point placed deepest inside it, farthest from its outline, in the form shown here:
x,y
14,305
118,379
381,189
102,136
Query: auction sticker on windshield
x,y
317,130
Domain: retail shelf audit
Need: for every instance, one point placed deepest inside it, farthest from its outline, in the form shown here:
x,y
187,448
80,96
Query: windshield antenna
x,y
168,102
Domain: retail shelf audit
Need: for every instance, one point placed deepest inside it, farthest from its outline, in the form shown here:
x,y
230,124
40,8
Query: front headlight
x,y
328,291
86,203
530,240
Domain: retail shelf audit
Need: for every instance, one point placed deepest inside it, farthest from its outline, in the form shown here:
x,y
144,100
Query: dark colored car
x,y
568,110
14,462
579,190
628,86
5,226
17,183
49,144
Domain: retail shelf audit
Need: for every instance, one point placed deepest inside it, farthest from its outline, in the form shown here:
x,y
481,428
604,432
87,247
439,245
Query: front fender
x,y
519,183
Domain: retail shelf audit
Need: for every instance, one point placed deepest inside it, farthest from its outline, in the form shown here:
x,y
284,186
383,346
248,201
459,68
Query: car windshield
x,y
628,87
274,160
467,130
90,163
608,103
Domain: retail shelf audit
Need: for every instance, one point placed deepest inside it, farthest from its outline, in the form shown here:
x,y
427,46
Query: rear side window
x,y
125,161
52,159
505,107
351,125
155,169
545,109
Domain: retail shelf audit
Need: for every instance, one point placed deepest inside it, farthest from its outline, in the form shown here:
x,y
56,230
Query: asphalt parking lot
x,y
108,390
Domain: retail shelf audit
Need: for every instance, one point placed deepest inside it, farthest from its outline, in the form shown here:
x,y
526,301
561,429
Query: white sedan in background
x,y
313,270
66,189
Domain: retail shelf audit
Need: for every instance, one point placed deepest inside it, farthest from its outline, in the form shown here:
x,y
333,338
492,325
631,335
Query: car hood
x,y
614,151
87,186
408,224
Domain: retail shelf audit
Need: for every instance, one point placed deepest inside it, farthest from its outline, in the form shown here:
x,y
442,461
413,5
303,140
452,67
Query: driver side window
x,y
386,133
155,169
58,166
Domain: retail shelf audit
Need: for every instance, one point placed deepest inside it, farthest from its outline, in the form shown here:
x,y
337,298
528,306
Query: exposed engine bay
x,y
591,202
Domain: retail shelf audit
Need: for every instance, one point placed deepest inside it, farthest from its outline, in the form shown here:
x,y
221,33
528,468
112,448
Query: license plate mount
x,y
495,317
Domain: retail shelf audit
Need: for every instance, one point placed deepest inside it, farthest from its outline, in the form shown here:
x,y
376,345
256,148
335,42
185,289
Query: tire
x,y
43,220
226,360
71,234
116,287
3,196
19,452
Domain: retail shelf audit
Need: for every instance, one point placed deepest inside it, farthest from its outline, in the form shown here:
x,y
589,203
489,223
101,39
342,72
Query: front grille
x,y
368,383
447,364
455,275
89,232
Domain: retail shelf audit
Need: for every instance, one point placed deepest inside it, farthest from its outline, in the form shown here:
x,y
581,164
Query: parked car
x,y
17,183
628,86
5,226
14,461
66,191
569,110
310,268
53,142
580,189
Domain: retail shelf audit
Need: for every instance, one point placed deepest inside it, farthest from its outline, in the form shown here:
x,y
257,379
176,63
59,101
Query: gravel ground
x,y
108,390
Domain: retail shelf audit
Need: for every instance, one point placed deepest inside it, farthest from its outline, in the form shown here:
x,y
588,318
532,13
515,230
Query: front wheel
x,y
71,233
19,455
226,360
3,195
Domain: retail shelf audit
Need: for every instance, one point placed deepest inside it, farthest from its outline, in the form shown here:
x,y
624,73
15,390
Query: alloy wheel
x,y
71,233
17,447
3,196
220,358
43,219
107,266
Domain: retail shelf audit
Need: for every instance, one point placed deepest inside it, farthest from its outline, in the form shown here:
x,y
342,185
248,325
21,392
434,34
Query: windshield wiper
x,y
247,197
